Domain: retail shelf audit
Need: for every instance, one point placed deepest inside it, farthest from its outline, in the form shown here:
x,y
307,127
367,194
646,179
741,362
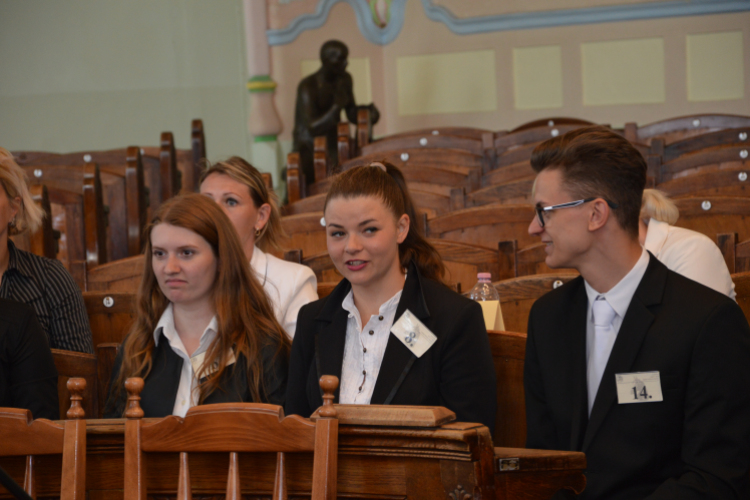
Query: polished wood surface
x,y
374,462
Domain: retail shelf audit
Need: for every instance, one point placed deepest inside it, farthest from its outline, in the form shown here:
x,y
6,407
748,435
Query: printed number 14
x,y
643,394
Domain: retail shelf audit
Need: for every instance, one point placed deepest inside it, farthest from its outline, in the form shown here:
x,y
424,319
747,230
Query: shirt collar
x,y
656,236
166,326
621,294
386,307
258,260
16,262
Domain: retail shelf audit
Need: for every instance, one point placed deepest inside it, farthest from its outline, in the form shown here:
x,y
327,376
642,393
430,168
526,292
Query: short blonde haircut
x,y
241,171
13,180
657,206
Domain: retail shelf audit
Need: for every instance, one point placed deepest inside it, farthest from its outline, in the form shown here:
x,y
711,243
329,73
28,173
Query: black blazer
x,y
693,445
28,377
456,372
161,384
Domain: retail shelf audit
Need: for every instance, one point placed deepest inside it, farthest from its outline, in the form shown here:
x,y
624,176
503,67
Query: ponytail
x,y
385,181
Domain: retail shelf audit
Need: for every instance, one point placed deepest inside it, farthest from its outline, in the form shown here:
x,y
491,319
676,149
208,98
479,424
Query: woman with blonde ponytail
x,y
391,331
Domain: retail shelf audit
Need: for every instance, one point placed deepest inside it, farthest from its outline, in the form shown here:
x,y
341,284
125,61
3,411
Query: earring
x,y
12,223
257,233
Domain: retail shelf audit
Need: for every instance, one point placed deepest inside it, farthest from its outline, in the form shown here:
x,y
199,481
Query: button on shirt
x,y
619,298
187,392
364,350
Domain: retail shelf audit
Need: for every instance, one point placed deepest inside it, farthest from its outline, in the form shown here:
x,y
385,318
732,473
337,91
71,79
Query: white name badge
x,y
413,334
639,387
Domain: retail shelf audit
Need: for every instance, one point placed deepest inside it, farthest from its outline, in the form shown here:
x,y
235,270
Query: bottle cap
x,y
484,276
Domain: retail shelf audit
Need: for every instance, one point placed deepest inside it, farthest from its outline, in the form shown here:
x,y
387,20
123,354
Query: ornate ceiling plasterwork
x,y
370,15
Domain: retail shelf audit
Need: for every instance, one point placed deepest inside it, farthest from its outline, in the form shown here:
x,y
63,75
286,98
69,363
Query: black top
x,y
48,288
161,384
28,378
695,444
456,371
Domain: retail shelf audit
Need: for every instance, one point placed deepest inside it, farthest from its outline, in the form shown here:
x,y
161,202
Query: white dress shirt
x,y
187,392
289,286
619,298
691,254
364,350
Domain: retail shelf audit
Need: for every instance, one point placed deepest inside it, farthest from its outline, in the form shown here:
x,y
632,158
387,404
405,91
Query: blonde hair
x,y
269,238
657,206
13,180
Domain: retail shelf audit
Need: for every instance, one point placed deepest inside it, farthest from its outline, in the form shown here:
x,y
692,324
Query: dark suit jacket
x,y
456,372
28,377
693,445
161,384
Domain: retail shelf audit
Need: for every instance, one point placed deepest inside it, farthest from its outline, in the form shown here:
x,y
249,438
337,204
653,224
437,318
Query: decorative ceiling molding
x,y
371,31
546,19
527,20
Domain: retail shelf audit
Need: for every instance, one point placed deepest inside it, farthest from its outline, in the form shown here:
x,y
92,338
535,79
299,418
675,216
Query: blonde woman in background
x,y
239,190
42,283
692,254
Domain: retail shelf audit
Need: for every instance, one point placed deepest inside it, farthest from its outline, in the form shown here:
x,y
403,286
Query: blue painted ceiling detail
x,y
528,20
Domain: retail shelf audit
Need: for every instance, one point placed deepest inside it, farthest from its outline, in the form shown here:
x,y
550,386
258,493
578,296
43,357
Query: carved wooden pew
x,y
396,454
677,129
485,225
675,150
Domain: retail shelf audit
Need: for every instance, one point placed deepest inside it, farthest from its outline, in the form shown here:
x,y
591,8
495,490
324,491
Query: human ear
x,y
402,228
264,214
599,214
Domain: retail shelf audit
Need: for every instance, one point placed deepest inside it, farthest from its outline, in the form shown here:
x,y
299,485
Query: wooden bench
x,y
677,129
485,225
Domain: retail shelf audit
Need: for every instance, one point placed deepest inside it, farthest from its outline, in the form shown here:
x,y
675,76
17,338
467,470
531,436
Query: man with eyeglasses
x,y
642,369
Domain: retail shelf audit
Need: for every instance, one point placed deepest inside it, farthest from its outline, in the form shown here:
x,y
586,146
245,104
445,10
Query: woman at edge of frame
x,y
392,280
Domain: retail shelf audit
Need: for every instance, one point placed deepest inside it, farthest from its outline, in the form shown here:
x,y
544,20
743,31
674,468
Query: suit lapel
x,y
398,359
331,337
577,346
633,331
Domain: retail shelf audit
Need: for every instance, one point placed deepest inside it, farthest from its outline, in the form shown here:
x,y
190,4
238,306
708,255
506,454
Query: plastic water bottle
x,y
487,296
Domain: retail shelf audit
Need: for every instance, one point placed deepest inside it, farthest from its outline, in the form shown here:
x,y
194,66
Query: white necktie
x,y
604,339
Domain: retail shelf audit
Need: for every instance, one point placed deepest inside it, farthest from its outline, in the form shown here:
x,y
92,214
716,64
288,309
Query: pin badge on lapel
x,y
413,334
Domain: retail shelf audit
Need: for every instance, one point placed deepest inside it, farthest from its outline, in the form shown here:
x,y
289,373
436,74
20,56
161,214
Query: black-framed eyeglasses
x,y
541,210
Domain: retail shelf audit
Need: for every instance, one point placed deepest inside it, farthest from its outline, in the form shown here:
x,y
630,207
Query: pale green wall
x,y
103,74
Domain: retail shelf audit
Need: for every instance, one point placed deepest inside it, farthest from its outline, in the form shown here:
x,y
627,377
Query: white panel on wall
x,y
623,72
459,82
537,77
359,68
715,66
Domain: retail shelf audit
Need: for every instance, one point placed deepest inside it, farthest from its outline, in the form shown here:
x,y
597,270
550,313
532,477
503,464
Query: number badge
x,y
638,387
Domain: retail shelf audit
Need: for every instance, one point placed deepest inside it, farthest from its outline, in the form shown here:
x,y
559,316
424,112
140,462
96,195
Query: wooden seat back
x,y
110,315
508,353
425,141
233,428
725,182
517,295
485,225
454,160
533,135
513,192
305,232
123,191
677,129
23,436
715,214
77,365
731,136
555,121
123,275
714,159
77,209
532,260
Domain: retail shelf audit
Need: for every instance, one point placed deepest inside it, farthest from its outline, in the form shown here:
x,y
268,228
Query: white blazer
x,y
691,254
289,286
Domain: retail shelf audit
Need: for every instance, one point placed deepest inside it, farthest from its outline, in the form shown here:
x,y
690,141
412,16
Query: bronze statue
x,y
320,99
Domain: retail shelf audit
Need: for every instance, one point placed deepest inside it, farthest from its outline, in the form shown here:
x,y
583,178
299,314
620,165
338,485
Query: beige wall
x,y
101,74
640,100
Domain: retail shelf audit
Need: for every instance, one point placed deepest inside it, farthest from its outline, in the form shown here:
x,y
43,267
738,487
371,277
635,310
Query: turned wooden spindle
x,y
134,386
76,386
329,384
